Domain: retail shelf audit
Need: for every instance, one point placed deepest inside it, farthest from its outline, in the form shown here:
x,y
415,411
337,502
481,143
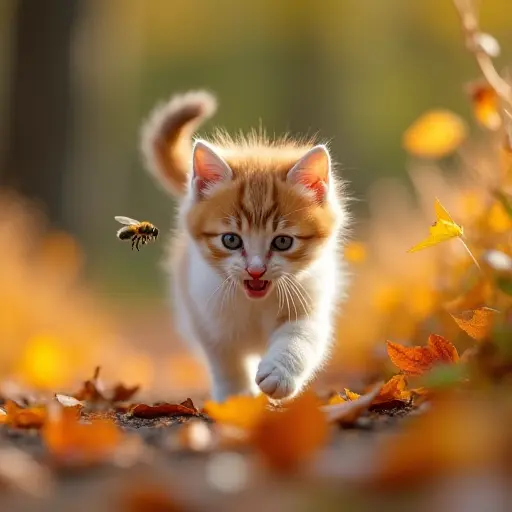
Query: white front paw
x,y
275,380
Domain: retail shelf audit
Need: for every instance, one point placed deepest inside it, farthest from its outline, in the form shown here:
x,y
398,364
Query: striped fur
x,y
257,189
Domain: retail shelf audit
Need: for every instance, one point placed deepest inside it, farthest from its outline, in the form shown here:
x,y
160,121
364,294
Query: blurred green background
x,y
77,77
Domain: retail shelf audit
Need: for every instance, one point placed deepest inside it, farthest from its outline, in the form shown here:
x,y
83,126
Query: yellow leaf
x,y
477,323
444,228
239,411
351,395
335,399
435,134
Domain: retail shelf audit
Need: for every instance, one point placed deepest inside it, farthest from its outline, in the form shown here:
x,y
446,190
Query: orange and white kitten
x,y
256,269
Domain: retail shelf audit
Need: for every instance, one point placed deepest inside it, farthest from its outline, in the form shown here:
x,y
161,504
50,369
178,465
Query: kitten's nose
x,y
256,271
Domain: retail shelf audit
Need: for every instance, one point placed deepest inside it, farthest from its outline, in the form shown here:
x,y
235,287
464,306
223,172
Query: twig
x,y
469,21
470,254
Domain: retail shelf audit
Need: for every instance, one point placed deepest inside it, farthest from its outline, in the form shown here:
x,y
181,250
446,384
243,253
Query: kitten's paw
x,y
275,381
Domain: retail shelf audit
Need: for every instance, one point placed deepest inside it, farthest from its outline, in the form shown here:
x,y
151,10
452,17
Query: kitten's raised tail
x,y
167,137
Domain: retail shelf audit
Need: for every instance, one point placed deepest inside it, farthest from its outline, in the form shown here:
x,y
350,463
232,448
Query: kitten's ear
x,y
313,172
208,167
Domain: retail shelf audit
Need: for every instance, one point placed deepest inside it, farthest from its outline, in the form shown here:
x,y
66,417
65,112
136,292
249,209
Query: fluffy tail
x,y
167,137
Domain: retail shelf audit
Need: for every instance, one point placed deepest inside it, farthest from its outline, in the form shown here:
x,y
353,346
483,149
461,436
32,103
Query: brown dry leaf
x,y
93,391
20,417
237,411
477,323
418,360
287,438
186,408
122,393
149,498
435,134
486,105
77,444
90,391
347,413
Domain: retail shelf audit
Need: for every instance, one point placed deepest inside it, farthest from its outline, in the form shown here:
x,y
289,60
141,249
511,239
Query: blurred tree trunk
x,y
39,116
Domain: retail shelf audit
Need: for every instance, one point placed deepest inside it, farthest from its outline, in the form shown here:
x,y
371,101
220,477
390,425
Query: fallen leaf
x,y
477,323
122,393
486,105
90,391
394,389
68,401
165,409
351,395
93,391
418,360
336,399
435,134
287,439
347,413
71,443
238,411
20,417
149,498
442,230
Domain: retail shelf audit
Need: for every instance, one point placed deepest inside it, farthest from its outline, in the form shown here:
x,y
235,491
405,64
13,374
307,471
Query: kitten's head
x,y
262,214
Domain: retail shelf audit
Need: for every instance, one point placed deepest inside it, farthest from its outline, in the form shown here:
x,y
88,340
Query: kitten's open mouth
x,y
256,288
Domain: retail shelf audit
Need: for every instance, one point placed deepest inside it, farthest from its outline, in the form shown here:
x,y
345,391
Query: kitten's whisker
x,y
302,299
295,290
217,289
286,283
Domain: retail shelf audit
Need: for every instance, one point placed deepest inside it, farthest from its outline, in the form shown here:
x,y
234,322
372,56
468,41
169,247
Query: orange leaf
x,y
238,411
333,400
75,443
159,410
351,395
477,323
347,413
486,105
435,134
394,389
93,391
287,439
20,417
418,360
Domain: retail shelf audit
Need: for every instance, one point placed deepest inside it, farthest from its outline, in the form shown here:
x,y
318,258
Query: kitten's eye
x,y
282,243
232,241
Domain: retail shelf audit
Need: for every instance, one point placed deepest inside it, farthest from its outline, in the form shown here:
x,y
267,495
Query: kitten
x,y
255,264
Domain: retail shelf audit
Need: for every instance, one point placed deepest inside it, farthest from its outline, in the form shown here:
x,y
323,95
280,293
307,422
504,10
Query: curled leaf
x,y
444,228
418,360
347,413
477,323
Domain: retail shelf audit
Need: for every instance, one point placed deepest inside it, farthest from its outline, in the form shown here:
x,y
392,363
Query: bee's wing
x,y
126,220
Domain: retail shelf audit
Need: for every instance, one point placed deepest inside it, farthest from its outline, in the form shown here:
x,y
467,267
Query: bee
x,y
136,231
